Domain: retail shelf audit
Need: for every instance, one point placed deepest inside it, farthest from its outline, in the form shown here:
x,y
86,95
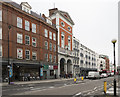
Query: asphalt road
x,y
63,87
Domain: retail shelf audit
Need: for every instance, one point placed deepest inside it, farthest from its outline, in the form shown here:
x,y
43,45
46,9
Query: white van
x,y
93,74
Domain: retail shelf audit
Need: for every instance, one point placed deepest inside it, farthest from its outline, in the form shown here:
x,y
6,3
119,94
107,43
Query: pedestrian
x,y
55,76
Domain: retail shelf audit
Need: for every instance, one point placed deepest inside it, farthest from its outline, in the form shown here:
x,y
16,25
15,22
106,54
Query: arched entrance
x,y
69,66
62,63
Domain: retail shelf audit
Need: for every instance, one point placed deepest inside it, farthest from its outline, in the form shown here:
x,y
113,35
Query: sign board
x,y
10,72
41,71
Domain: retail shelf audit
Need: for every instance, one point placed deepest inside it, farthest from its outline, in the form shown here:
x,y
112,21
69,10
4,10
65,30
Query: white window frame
x,y
54,36
27,54
27,40
33,42
50,46
33,28
19,22
46,32
46,45
54,59
1,51
50,57
34,54
62,40
54,48
46,57
50,35
27,25
69,43
19,54
19,38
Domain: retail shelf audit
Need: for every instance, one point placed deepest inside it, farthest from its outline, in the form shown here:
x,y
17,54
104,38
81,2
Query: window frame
x,y
19,22
46,32
34,28
18,53
34,53
46,45
50,35
27,40
26,54
20,38
34,42
27,25
54,36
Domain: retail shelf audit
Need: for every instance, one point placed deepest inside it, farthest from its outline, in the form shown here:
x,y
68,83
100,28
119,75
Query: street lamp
x,y
9,27
114,41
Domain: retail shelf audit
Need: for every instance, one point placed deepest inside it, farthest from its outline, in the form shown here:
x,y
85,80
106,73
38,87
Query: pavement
x,y
36,81
110,90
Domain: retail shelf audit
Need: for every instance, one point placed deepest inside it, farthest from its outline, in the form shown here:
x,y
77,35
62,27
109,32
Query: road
x,y
63,87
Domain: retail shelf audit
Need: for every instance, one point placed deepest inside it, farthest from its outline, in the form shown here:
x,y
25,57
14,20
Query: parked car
x,y
93,74
112,73
104,75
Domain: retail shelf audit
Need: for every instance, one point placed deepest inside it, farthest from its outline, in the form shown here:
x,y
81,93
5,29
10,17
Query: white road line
x,y
78,94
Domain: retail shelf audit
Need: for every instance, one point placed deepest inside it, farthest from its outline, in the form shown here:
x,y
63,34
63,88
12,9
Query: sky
x,y
96,21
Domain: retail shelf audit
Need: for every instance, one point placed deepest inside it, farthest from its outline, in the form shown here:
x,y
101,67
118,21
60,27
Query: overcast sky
x,y
96,21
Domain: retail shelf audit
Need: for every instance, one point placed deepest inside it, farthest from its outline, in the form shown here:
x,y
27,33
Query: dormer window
x,y
26,7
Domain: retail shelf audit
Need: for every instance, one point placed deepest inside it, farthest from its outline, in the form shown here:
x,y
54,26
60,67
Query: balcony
x,y
65,51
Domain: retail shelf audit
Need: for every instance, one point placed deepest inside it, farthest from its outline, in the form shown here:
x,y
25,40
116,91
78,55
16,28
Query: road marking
x,y
51,87
78,94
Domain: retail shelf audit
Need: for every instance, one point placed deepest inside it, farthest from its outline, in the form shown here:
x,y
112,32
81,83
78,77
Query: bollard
x,y
105,87
82,78
74,80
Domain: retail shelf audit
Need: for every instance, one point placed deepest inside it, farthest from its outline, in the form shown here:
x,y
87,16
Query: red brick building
x,y
32,43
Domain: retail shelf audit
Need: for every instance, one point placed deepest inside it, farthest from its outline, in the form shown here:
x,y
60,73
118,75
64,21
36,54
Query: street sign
x,y
10,72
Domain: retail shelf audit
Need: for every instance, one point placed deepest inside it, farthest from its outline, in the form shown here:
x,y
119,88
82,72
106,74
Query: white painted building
x,y
88,60
101,64
76,54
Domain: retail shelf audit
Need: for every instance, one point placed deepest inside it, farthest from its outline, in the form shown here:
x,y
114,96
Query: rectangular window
x,y
46,57
69,44
54,48
50,46
54,37
50,58
0,50
27,25
33,28
19,22
0,32
46,45
62,39
34,41
0,15
50,35
19,38
54,60
27,54
27,40
46,33
19,53
34,55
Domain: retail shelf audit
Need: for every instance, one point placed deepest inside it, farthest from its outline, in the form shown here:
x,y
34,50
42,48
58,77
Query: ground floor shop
x,y
26,71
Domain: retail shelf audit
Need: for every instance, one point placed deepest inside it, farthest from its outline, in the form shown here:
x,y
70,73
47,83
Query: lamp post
x,y
114,41
9,65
